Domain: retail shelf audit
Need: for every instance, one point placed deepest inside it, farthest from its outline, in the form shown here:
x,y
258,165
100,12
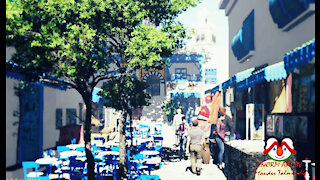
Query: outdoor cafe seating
x,y
69,162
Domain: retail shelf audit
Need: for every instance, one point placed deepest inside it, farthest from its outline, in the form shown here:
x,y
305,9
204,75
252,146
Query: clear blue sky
x,y
218,16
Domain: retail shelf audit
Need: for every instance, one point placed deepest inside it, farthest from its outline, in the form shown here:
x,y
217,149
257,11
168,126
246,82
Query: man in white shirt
x,y
177,120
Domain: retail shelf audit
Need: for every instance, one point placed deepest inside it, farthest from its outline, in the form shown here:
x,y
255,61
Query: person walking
x,y
177,120
220,136
212,142
183,132
228,121
195,146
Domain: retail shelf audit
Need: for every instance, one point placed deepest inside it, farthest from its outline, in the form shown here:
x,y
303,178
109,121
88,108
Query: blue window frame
x,y
58,118
284,11
211,72
181,73
71,116
211,80
243,40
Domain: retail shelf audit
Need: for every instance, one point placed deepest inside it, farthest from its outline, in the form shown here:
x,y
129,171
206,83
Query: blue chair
x,y
60,149
158,129
114,148
76,169
80,149
49,153
73,141
158,140
157,148
99,139
137,168
148,177
34,174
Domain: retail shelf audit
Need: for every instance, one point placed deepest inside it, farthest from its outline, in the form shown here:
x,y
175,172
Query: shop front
x,y
273,101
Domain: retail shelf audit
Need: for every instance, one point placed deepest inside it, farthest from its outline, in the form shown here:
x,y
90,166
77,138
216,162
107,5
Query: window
x,y
213,38
71,116
58,118
243,40
181,73
198,38
154,85
211,72
202,37
211,80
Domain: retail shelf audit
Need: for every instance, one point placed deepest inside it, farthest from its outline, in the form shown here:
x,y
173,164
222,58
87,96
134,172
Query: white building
x,y
51,108
268,29
204,41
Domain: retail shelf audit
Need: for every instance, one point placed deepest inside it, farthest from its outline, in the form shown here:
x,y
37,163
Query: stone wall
x,y
242,166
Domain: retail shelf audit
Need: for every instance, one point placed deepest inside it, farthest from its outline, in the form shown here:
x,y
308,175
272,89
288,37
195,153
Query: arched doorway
x,y
155,81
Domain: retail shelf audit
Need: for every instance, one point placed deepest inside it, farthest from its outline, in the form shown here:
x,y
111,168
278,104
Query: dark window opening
x,y
154,85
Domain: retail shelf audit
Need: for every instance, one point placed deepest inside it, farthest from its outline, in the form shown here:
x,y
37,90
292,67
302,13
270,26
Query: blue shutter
x,y
284,11
248,32
238,48
243,40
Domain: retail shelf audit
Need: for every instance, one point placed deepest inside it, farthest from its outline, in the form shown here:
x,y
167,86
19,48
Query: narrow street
x,y
177,170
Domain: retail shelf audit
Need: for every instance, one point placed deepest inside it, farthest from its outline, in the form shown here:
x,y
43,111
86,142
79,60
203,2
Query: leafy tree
x,y
170,107
80,43
131,96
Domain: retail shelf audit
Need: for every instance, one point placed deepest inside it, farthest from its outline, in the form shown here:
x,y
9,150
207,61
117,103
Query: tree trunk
x,y
87,139
122,146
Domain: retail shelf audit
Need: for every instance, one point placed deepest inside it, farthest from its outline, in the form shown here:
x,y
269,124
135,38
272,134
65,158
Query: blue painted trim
x,y
243,41
41,86
20,77
284,11
299,56
184,95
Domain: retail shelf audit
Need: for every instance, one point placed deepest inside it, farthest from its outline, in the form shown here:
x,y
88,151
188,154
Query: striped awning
x,y
299,56
275,72
217,88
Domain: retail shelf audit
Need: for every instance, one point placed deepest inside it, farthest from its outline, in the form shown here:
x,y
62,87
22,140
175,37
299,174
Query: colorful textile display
x,y
280,105
289,94
215,107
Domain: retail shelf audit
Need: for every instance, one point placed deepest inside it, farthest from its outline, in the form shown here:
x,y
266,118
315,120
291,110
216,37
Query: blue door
x,y
30,126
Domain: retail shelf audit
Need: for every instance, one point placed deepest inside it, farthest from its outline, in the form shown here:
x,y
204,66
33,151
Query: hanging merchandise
x,y
278,97
215,108
289,94
203,117
255,122
81,139
260,94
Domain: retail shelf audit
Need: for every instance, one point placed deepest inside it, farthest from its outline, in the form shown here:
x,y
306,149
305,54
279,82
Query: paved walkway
x,y
176,171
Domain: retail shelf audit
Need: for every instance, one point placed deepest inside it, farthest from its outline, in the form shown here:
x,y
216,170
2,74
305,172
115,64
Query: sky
x,y
220,21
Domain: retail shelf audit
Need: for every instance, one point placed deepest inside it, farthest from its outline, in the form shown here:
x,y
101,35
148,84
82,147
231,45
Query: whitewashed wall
x,y
12,104
270,42
53,99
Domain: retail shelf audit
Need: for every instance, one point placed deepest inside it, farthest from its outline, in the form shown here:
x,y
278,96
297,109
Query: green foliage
x,y
84,42
170,108
76,40
131,95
